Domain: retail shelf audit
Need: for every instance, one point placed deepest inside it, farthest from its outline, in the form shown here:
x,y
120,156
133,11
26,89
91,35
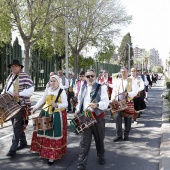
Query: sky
x,y
150,27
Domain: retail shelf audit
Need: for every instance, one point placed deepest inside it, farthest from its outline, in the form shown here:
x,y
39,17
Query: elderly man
x,y
126,89
20,86
93,96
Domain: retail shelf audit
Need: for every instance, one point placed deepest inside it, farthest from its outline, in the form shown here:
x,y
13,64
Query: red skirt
x,y
52,146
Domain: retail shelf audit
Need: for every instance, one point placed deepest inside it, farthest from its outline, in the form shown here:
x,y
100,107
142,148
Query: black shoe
x,y
50,163
101,161
80,167
138,115
22,146
126,138
11,153
68,111
117,138
76,133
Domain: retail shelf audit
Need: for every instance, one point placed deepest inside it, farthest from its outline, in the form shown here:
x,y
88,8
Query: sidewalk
x,y
164,163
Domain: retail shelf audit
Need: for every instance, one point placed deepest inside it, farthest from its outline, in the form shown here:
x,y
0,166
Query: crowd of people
x,y
95,92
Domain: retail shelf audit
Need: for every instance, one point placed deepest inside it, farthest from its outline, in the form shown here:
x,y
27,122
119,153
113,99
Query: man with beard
x,y
94,97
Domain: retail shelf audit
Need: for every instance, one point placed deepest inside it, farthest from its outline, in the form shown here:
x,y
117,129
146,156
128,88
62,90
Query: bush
x,y
168,85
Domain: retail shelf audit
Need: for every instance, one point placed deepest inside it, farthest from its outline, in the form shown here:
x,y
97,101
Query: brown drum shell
x,y
8,107
42,123
118,106
81,122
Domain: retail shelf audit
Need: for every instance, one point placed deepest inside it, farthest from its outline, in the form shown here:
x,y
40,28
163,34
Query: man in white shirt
x,y
64,80
125,89
20,86
93,96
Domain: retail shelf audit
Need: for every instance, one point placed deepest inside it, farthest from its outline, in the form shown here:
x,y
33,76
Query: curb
x,y
164,163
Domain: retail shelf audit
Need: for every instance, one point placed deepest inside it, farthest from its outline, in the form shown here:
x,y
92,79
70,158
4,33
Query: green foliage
x,y
106,53
123,50
157,69
82,62
94,22
51,42
5,23
168,85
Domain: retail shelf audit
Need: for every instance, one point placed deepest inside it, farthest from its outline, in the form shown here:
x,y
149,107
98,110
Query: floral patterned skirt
x,y
51,144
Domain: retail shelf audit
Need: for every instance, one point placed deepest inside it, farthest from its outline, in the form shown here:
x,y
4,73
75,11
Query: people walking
x,y
126,89
139,103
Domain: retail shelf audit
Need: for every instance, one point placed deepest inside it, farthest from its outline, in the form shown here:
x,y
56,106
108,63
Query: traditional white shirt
x,y
48,91
104,100
146,82
120,87
139,82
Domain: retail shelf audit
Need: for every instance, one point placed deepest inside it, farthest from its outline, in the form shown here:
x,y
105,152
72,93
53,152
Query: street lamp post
x,y
129,56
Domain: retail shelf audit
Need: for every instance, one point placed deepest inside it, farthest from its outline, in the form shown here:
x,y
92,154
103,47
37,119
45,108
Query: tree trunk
x,y
76,55
27,56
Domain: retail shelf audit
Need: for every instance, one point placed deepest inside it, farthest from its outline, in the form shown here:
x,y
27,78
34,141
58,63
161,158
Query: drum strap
x,y
97,89
12,81
60,91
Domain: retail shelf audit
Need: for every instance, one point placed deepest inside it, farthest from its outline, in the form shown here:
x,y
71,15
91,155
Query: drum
x,y
42,123
118,106
82,121
8,107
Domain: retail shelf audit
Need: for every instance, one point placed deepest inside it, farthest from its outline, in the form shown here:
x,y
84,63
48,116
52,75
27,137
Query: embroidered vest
x,y
96,100
128,87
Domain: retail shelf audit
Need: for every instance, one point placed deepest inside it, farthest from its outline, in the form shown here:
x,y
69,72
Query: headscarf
x,y
58,79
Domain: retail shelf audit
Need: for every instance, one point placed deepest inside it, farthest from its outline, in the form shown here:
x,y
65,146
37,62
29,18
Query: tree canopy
x,y
123,51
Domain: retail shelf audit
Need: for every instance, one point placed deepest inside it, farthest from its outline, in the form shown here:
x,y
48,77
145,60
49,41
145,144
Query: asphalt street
x,y
141,152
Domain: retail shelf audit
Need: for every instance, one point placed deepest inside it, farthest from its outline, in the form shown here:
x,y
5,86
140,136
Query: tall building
x,y
155,57
137,51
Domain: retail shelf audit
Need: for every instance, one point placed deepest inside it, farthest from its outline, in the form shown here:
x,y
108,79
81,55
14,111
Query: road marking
x,y
6,136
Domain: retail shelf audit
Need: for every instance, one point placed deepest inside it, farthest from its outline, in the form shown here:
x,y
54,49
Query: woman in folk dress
x,y
52,144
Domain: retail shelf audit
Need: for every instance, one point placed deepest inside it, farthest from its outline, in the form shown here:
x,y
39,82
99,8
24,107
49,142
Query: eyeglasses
x,y
88,76
81,76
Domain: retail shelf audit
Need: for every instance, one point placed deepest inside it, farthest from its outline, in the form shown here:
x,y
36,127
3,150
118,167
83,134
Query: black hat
x,y
15,62
82,72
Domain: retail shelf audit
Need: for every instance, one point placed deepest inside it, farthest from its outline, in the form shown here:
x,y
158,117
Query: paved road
x,y
142,152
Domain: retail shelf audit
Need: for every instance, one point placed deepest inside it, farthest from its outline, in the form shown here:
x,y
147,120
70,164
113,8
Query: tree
x,y
83,62
30,19
91,22
123,51
5,24
157,69
106,52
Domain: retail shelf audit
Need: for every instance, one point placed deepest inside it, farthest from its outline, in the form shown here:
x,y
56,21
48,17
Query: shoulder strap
x,y
60,91
12,81
96,91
